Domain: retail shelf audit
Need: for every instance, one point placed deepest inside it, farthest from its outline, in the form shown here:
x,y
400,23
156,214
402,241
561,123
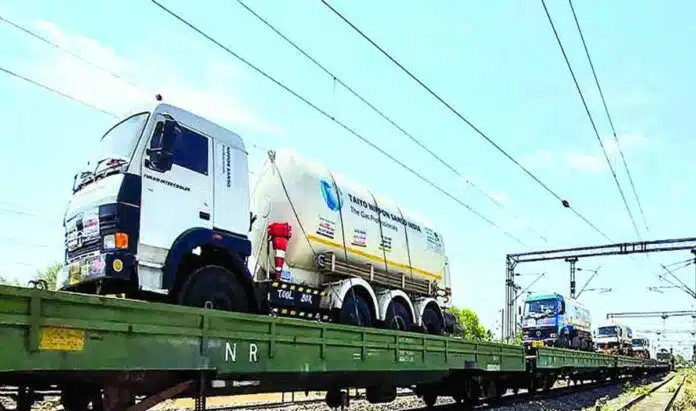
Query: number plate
x,y
538,344
74,273
62,339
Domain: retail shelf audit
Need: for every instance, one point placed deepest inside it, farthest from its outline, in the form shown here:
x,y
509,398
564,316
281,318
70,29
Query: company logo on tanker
x,y
332,197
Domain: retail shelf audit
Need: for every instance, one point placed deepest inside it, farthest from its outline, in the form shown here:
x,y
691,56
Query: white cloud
x,y
538,160
632,99
585,162
596,163
213,95
677,189
499,196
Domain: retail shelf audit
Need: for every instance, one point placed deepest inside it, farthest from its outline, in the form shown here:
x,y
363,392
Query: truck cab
x,y
641,347
614,339
167,192
556,321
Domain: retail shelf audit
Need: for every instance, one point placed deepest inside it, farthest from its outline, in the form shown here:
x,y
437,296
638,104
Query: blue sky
x,y
497,62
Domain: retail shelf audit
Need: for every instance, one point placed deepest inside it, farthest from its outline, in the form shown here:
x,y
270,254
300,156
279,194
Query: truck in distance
x,y
167,214
552,320
614,339
641,347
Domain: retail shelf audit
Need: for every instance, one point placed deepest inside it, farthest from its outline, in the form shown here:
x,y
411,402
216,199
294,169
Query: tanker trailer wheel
x,y
215,287
355,311
398,317
432,324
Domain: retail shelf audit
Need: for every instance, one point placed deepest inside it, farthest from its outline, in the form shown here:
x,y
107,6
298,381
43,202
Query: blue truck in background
x,y
552,320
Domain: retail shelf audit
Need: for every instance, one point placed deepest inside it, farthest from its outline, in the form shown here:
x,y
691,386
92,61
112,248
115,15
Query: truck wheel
x,y
355,311
214,285
431,322
563,341
398,317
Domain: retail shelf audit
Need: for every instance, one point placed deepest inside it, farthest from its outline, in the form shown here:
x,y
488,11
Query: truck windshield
x,y
540,306
607,332
637,342
120,141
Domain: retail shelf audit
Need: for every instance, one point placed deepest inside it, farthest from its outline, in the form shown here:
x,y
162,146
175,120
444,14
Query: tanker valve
x,y
278,235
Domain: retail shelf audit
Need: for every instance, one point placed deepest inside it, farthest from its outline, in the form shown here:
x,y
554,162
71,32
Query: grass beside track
x,y
629,390
687,396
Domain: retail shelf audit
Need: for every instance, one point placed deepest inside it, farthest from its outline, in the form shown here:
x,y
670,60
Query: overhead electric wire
x,y
564,202
52,90
594,126
688,260
62,49
686,288
611,122
341,124
381,113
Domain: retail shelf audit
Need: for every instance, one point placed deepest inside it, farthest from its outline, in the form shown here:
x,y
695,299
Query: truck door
x,y
177,199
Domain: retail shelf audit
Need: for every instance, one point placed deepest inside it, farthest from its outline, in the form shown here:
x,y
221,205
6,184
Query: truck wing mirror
x,y
519,310
160,152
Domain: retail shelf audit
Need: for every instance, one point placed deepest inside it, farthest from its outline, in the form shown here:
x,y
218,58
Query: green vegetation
x,y
469,320
48,274
687,396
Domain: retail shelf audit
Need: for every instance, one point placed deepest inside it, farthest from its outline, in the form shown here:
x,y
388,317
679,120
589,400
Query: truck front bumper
x,y
96,266
547,342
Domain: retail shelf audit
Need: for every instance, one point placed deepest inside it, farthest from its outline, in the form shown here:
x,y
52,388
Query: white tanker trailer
x,y
164,215
368,256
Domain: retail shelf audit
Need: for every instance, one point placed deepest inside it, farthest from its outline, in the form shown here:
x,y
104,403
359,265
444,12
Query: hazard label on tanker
x,y
327,228
434,241
386,243
359,238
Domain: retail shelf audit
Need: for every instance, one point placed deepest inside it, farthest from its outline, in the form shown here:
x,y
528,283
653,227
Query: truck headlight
x,y
117,240
553,335
109,242
61,277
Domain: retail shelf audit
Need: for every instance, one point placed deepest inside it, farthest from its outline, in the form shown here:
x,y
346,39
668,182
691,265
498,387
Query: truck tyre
x,y
398,316
432,324
355,311
563,341
215,287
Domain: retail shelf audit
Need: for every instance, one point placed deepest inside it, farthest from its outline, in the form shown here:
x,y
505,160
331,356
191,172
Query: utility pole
x,y
572,261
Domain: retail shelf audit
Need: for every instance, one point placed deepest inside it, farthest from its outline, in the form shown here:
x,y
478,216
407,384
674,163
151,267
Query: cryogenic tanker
x,y
166,214
341,230
333,215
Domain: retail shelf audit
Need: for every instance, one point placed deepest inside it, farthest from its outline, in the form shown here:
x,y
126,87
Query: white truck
x,y
614,339
166,214
641,347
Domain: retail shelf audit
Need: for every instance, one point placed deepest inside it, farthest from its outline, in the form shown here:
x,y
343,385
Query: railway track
x,y
659,398
515,400
282,404
507,400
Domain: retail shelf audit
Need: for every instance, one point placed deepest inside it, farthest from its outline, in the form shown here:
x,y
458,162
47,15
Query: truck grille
x,y
539,333
77,244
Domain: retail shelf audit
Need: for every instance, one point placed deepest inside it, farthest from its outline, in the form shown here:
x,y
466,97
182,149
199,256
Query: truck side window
x,y
190,151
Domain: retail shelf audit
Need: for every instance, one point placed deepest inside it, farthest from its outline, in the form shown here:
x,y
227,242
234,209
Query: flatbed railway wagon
x,y
130,355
